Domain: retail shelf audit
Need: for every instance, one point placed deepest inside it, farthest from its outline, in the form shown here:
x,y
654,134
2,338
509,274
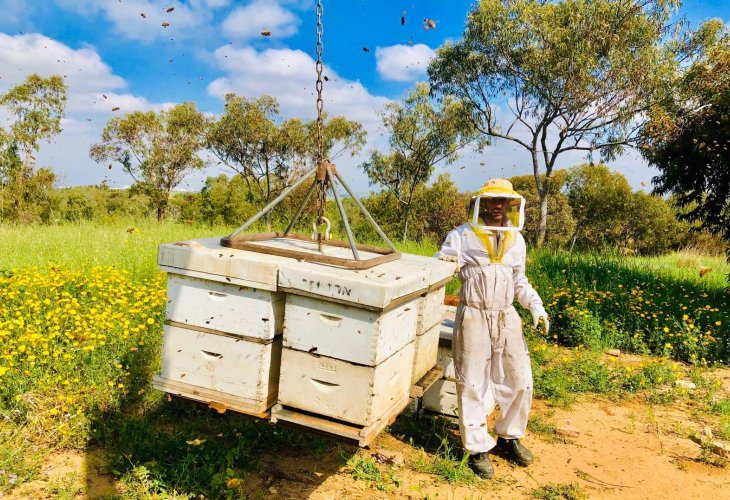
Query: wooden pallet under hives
x,y
363,436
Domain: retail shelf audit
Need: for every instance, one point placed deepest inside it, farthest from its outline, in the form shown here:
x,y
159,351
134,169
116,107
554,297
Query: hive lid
x,y
440,272
207,259
380,287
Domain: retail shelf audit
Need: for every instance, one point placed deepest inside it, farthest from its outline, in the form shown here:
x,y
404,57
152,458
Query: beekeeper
x,y
489,350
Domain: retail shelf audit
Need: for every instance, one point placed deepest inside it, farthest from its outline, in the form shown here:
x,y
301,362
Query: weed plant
x,y
601,301
560,491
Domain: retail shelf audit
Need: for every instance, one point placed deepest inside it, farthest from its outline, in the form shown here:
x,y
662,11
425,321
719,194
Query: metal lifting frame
x,y
327,174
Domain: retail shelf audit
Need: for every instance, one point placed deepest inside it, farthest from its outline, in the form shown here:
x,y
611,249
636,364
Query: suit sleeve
x,y
524,291
452,247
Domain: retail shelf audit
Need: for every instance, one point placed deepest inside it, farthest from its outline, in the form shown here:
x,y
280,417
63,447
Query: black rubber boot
x,y
481,465
514,451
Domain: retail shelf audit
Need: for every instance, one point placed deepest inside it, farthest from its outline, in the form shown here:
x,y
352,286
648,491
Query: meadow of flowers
x,y
601,302
72,344
81,317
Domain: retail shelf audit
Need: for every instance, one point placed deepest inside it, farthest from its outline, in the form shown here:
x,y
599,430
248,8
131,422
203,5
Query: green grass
x,y
685,266
595,302
86,245
605,301
20,459
560,375
377,476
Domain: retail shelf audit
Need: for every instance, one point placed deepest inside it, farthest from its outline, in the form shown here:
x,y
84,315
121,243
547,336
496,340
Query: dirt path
x,y
628,450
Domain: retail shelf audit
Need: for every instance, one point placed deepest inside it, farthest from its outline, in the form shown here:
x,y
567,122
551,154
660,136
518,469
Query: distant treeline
x,y
590,208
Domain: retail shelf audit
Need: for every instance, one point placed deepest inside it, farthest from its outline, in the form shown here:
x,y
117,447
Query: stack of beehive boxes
x,y
223,330
428,328
351,345
353,341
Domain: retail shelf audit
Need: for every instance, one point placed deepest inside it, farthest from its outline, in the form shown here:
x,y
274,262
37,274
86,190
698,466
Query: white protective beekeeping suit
x,y
489,350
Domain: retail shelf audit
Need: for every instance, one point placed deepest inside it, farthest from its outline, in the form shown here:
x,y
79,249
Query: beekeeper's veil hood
x,y
514,209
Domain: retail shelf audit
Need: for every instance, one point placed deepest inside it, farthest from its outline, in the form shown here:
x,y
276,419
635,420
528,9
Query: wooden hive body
x,y
224,307
342,390
425,353
348,333
243,368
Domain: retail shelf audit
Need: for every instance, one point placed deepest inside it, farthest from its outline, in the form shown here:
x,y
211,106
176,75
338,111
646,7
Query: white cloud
x,y
83,69
288,75
89,79
261,15
403,63
127,18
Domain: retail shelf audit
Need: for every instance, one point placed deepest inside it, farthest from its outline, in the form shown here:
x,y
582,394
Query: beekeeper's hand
x,y
448,258
538,312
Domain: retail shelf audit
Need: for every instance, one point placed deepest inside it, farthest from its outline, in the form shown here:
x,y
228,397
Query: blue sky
x,y
107,48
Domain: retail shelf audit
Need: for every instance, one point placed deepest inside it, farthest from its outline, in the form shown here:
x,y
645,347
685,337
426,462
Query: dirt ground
x,y
626,450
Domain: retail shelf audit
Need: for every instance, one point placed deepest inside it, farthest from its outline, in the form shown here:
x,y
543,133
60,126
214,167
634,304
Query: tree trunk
x,y
161,208
542,192
575,237
542,225
268,197
162,201
406,216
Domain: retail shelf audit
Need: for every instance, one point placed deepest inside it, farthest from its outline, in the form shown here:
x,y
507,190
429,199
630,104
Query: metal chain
x,y
321,184
319,86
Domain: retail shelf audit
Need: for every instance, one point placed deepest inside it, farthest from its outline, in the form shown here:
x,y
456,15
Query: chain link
x,y
320,103
321,184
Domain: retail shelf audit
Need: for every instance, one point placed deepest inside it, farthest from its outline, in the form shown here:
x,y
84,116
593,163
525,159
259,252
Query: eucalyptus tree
x,y
269,153
157,149
555,77
688,136
422,133
35,108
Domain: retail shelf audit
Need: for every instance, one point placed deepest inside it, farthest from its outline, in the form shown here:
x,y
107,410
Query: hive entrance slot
x,y
212,354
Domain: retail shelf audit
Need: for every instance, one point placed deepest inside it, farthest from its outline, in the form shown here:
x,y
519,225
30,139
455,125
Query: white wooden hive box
x,y
378,288
446,361
426,352
430,309
230,365
345,391
348,333
224,307
441,398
